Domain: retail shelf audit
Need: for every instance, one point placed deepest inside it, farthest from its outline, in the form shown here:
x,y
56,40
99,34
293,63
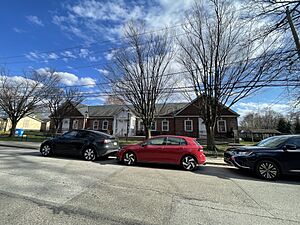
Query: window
x,y
188,125
157,141
222,126
70,134
95,125
105,125
295,141
75,124
165,125
153,126
175,141
141,126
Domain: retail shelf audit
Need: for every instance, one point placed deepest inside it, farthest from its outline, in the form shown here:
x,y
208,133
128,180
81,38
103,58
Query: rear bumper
x,y
201,159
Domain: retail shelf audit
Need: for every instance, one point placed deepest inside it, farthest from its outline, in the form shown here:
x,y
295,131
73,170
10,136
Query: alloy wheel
x,y
268,170
89,154
129,158
46,150
189,163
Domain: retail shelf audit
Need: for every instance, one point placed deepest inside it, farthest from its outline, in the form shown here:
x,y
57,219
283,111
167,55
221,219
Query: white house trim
x,y
167,125
219,126
105,125
185,125
96,125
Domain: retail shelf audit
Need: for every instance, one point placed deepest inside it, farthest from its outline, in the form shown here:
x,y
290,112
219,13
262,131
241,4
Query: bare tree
x,y
61,101
281,19
266,119
20,96
224,65
138,71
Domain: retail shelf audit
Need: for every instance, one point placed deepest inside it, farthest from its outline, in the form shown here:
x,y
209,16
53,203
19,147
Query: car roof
x,y
175,136
96,132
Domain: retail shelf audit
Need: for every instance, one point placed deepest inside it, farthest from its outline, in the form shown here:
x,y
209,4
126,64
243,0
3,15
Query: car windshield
x,y
272,142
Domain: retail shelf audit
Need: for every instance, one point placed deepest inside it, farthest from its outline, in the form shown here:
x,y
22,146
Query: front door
x,y
202,128
65,125
292,156
66,143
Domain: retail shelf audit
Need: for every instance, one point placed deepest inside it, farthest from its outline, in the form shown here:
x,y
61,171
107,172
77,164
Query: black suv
x,y
269,158
86,143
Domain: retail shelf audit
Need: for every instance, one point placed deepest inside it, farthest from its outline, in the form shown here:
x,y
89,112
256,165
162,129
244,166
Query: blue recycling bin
x,y
19,132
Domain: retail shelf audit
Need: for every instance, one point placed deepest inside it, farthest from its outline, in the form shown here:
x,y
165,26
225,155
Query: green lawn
x,y
28,138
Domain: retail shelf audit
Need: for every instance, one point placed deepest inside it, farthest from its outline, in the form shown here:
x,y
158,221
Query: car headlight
x,y
243,153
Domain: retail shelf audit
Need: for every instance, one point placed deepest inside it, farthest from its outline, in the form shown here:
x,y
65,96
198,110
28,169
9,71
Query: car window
x,y
157,141
273,142
82,134
175,141
70,134
294,141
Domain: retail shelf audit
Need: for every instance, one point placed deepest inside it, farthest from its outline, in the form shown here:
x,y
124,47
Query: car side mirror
x,y
144,144
290,147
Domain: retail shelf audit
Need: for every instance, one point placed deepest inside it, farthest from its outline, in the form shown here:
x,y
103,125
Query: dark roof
x,y
111,110
104,110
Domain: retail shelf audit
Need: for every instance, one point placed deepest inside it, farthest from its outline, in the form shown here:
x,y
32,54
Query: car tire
x,y
189,163
129,158
46,150
267,170
89,154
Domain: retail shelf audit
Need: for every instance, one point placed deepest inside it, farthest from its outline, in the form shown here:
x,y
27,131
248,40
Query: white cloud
x,y
91,17
18,30
53,56
34,20
84,53
102,71
70,79
247,107
68,54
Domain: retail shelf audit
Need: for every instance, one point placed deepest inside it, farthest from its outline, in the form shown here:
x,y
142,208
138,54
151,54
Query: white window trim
x,y
225,126
141,125
155,128
162,125
73,125
185,121
103,127
97,124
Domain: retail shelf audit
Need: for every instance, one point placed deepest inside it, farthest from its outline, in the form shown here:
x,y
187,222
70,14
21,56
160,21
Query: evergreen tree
x,y
297,126
284,126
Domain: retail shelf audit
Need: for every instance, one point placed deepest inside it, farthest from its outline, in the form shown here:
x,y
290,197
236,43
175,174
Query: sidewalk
x,y
36,146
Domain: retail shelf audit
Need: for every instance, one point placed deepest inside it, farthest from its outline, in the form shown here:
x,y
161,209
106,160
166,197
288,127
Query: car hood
x,y
249,148
132,146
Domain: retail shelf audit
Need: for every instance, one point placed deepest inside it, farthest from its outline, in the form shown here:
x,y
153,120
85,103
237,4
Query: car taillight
x,y
200,149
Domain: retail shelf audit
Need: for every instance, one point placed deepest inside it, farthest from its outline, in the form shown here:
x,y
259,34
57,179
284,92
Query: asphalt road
x,y
60,190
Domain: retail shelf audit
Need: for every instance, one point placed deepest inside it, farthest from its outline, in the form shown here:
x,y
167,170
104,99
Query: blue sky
x,y
76,38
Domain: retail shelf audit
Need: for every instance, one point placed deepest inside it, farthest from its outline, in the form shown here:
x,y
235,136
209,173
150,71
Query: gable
x,y
193,109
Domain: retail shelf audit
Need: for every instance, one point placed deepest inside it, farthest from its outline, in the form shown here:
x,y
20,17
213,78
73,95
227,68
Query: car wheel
x,y
46,150
267,170
129,158
89,154
189,163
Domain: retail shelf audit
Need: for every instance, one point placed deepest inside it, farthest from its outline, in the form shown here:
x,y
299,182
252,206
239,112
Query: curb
x,y
18,146
216,163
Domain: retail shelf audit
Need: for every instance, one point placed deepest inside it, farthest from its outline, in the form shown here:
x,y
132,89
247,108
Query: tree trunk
x,y
211,146
13,128
148,132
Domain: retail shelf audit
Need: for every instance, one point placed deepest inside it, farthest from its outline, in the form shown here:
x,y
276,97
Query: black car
x,y
86,143
269,158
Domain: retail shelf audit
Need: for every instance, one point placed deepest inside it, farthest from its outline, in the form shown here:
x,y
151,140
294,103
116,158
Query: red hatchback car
x,y
179,150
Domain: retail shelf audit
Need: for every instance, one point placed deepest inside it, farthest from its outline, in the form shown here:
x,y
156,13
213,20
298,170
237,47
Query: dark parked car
x,y
179,150
86,143
269,158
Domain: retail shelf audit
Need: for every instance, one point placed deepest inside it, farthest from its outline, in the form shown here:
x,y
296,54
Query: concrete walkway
x,y
36,146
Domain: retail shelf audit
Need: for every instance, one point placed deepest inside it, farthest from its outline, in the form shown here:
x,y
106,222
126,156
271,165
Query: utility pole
x,y
294,32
